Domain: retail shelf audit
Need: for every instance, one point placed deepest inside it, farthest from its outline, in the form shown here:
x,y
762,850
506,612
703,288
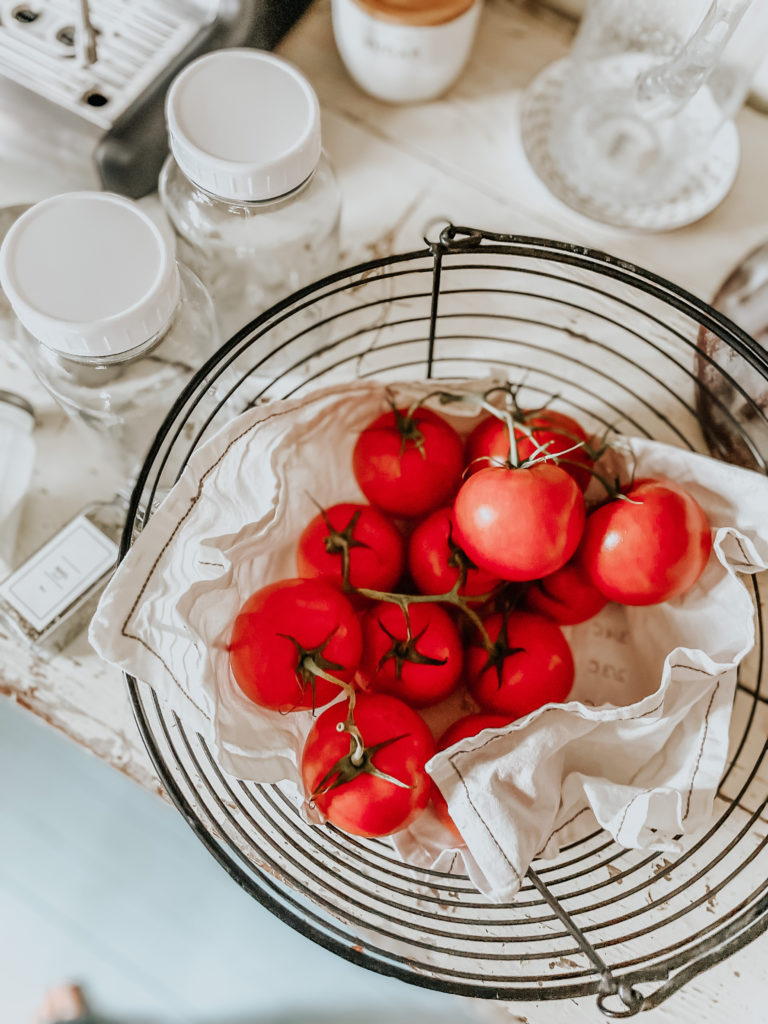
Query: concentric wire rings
x,y
617,347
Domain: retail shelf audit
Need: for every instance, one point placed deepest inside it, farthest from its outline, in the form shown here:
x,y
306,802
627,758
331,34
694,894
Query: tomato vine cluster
x,y
460,571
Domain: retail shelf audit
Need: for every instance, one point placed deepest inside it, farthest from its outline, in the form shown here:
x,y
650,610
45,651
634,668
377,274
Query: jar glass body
x,y
127,396
17,456
251,254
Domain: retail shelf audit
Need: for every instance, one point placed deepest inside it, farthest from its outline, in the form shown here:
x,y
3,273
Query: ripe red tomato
x,y
533,665
420,670
375,545
367,805
470,725
560,433
434,559
520,524
648,549
408,465
281,623
567,596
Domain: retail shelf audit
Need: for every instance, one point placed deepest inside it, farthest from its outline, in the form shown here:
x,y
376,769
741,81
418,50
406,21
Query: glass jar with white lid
x,y
17,456
111,324
250,194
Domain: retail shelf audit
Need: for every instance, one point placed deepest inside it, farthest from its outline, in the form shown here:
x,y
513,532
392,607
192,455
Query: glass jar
x,y
112,325
8,217
250,195
17,457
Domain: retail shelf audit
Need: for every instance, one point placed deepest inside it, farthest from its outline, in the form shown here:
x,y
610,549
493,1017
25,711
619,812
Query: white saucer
x,y
701,193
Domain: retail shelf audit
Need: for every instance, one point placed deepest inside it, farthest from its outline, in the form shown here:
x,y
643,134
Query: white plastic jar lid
x,y
89,274
243,125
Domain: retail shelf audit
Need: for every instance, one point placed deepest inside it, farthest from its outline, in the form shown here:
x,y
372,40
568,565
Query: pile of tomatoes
x,y
459,571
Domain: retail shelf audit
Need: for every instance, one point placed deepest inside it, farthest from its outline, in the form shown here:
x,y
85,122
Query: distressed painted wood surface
x,y
401,170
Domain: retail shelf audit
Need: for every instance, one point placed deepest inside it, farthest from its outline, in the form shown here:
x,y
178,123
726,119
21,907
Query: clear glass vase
x,y
635,128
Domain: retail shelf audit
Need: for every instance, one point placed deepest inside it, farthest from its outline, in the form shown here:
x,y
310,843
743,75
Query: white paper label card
x,y
60,572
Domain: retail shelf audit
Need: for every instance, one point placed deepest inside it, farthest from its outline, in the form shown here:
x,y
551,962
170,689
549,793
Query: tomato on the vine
x,y
534,429
567,596
648,547
470,725
408,463
372,544
531,664
416,656
285,630
435,559
356,798
519,523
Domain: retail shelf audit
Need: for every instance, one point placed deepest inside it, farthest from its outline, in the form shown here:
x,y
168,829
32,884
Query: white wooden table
x,y
400,169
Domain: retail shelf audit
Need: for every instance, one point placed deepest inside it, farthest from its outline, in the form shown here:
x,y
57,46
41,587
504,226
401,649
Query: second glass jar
x,y
111,324
250,195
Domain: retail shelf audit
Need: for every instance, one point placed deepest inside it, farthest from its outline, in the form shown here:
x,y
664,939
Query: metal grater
x,y
139,46
136,40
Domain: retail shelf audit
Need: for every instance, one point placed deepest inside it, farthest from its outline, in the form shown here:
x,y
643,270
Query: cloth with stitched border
x,y
640,746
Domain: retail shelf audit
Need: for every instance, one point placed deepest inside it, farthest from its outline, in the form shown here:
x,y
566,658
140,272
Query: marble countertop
x,y
400,169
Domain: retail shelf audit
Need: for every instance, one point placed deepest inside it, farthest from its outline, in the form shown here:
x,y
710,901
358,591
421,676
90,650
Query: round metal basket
x,y
618,347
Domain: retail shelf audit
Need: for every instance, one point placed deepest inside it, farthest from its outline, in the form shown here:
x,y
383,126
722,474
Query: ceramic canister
x,y
405,51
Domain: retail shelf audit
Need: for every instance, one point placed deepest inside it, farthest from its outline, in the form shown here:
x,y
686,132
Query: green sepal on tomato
x,y
366,804
531,664
284,629
535,429
354,536
436,559
416,656
408,462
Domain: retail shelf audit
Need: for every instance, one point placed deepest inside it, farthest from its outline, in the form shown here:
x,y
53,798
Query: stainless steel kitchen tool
x,y
98,92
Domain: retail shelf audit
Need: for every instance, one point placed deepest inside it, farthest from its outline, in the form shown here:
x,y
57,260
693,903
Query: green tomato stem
x,y
506,417
357,752
451,596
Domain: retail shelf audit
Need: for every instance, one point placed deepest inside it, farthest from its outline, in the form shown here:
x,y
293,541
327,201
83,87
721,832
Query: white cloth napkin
x,y
641,745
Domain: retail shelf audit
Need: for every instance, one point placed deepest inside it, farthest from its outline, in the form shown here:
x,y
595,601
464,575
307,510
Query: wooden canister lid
x,y
416,12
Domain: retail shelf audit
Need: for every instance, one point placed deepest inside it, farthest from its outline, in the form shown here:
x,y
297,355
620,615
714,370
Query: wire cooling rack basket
x,y
618,346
